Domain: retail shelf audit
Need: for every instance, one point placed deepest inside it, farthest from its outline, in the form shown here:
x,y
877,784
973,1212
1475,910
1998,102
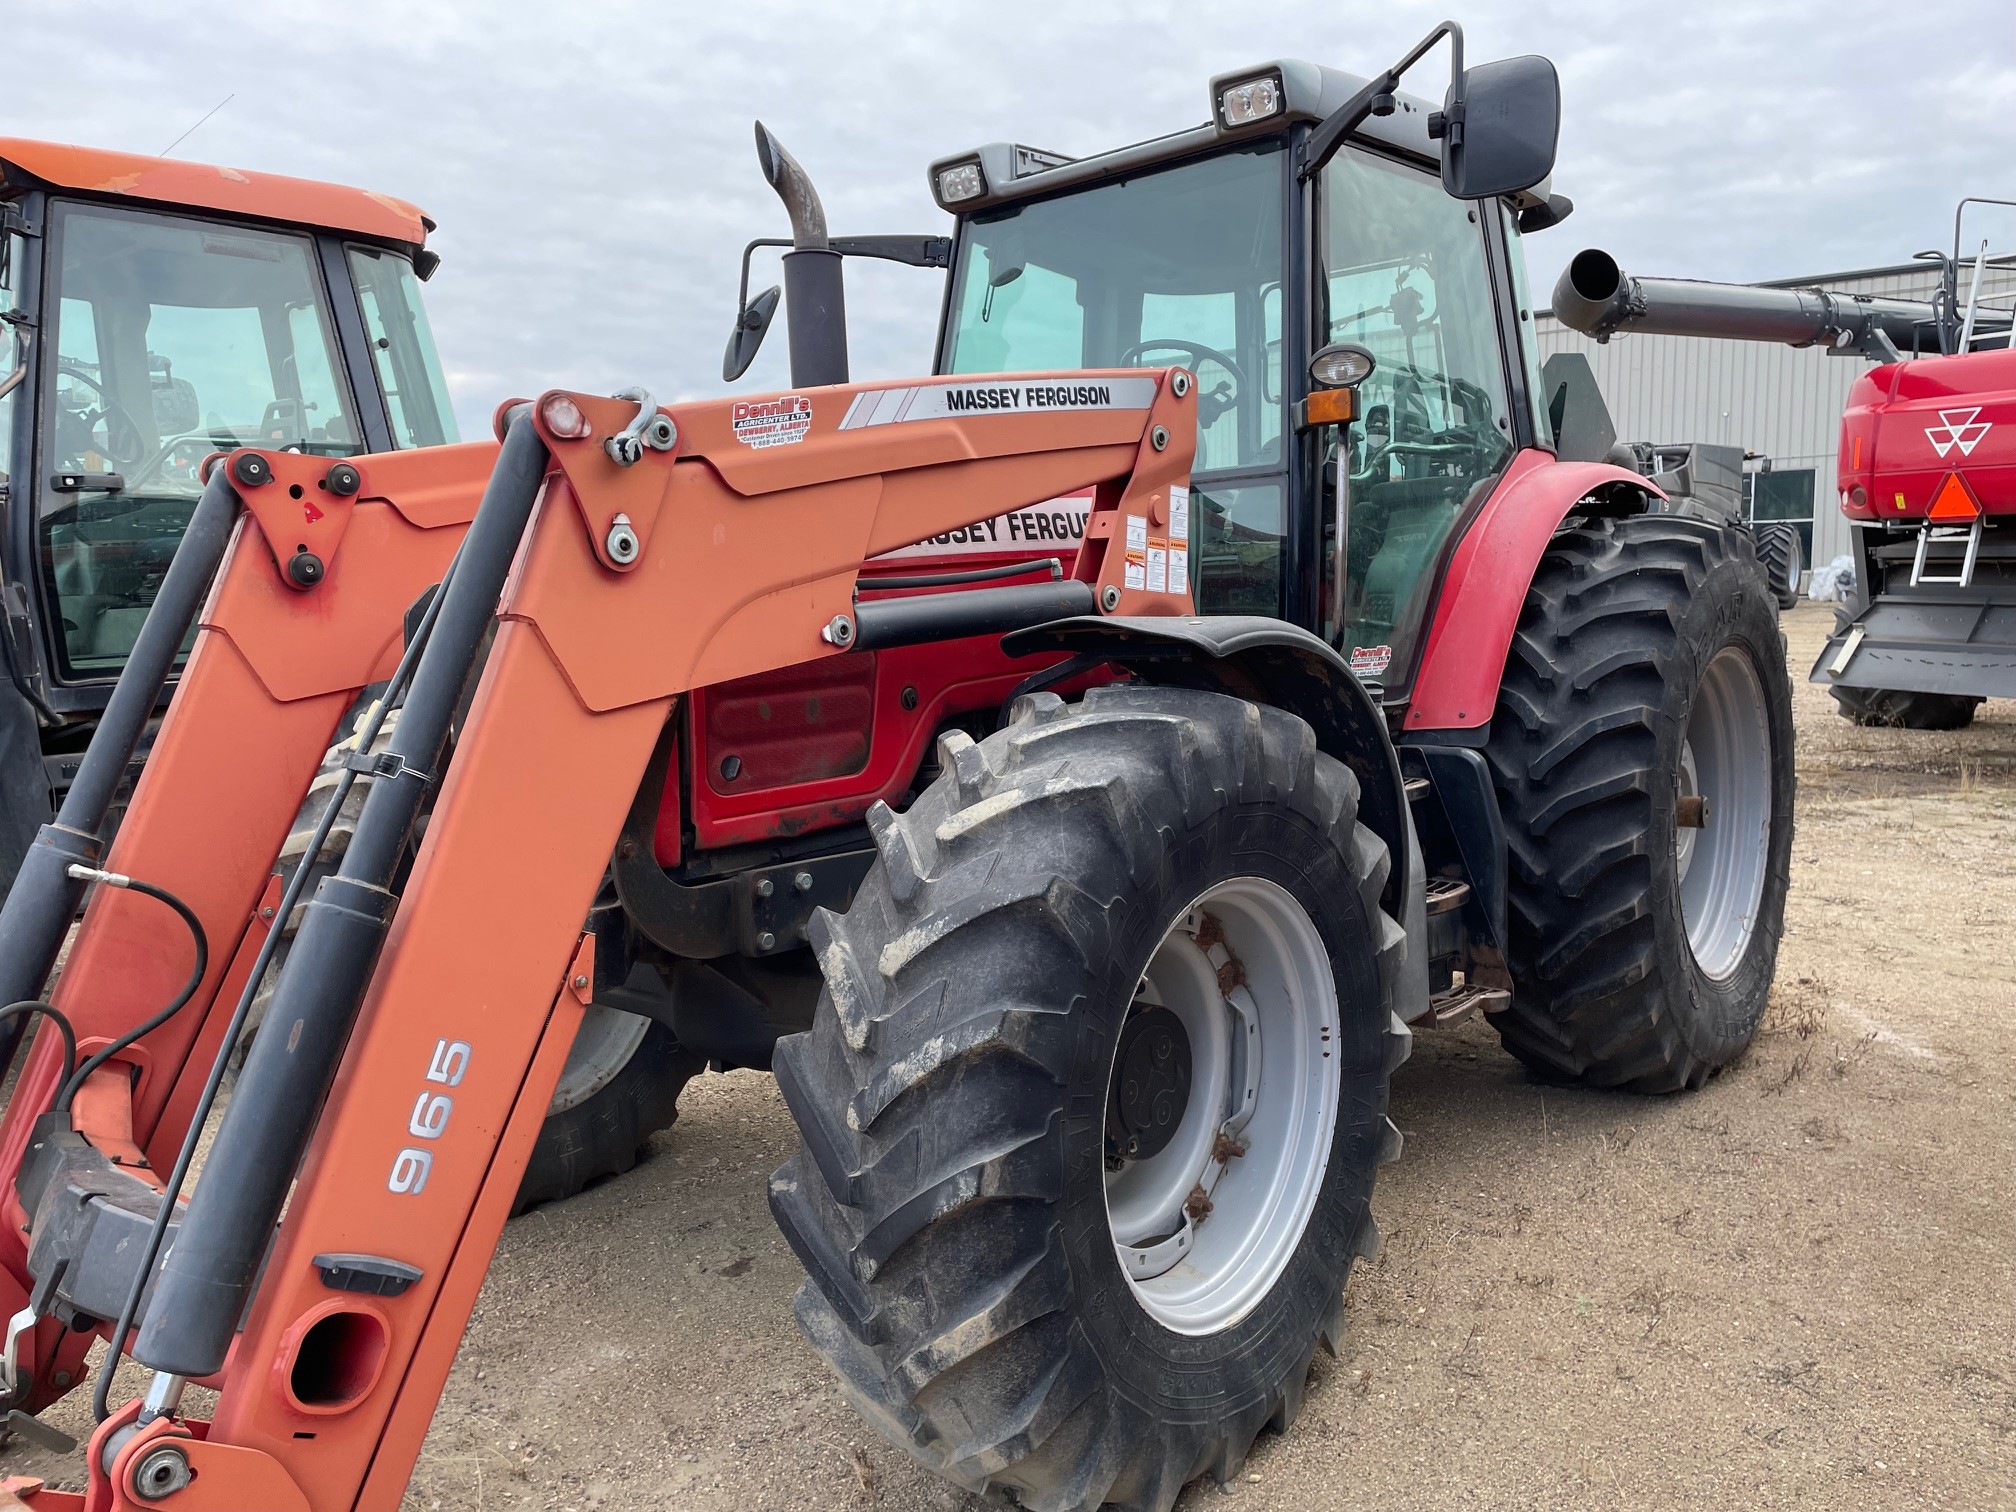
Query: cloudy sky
x,y
591,167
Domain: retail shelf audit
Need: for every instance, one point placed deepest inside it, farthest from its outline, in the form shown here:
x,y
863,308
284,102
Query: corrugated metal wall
x,y
1782,402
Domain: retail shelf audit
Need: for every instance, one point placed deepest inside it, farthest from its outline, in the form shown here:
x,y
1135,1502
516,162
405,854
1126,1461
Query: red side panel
x,y
1947,425
1478,607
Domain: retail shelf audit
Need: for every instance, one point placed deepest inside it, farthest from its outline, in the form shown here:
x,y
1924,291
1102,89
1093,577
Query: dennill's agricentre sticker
x,y
782,421
1370,661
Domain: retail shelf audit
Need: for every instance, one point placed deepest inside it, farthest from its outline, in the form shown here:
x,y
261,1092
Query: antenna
x,y
192,130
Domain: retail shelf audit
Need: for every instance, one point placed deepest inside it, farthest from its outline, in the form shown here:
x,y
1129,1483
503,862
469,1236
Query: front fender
x,y
1477,609
1265,661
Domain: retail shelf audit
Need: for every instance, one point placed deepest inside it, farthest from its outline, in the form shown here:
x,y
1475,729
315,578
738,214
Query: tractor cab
x,y
1241,249
157,312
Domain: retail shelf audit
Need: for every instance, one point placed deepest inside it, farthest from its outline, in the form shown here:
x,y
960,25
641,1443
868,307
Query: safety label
x,y
1179,568
1179,512
1055,527
782,421
996,396
1136,567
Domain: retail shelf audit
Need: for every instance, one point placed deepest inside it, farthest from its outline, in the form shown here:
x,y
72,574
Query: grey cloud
x,y
592,171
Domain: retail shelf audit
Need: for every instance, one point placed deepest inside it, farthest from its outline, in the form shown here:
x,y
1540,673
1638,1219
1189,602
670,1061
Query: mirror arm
x,y
1353,113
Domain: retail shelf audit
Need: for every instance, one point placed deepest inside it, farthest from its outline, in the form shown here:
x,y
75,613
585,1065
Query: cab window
x,y
1405,276
402,347
1177,267
173,338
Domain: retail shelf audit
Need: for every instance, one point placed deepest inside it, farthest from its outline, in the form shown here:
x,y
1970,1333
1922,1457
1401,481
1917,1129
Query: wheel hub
x,y
1221,1106
1151,1085
1722,860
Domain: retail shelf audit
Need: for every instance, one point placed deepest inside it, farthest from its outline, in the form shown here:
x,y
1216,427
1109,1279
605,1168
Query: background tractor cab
x,y
155,312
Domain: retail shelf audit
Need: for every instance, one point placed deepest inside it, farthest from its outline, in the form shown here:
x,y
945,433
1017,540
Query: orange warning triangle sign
x,y
1954,500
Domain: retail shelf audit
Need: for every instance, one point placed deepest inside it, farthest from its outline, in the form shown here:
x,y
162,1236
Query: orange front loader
x,y
322,1272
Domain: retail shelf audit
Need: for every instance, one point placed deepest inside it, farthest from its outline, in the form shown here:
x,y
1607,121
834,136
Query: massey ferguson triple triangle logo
x,y
1958,428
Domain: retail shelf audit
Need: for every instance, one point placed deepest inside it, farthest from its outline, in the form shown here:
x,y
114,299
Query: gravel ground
x,y
1793,1288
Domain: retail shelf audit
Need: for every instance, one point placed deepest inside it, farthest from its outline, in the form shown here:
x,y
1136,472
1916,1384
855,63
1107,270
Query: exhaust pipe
x,y
1598,298
815,298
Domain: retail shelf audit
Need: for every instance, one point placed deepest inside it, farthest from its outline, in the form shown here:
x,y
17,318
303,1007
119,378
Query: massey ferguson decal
x,y
782,421
995,396
1958,428
1054,527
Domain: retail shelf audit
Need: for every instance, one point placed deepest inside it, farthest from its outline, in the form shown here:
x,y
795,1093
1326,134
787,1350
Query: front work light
x,y
960,182
1342,364
1250,100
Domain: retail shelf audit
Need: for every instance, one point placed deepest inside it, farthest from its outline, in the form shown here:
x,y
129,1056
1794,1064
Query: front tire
x,y
1642,752
1069,889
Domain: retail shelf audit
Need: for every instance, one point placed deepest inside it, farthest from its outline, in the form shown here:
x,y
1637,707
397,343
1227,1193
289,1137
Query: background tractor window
x,y
1180,267
174,338
402,346
13,375
1406,277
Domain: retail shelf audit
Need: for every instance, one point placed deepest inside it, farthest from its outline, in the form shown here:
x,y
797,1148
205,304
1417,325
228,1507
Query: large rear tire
x,y
1043,988
623,1076
1646,687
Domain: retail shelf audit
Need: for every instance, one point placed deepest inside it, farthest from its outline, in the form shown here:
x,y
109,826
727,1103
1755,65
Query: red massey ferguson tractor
x,y
1927,470
1135,749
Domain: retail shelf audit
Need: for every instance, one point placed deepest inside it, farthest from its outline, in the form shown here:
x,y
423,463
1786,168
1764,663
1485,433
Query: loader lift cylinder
x,y
44,898
208,1276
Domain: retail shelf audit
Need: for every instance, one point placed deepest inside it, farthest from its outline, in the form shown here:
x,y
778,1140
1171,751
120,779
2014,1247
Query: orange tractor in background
x,y
1072,773
155,312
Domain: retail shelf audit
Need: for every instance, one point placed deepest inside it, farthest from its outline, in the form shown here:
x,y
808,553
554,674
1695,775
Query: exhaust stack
x,y
815,298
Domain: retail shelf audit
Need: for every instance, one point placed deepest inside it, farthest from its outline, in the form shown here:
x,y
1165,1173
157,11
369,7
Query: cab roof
x,y
1308,93
201,186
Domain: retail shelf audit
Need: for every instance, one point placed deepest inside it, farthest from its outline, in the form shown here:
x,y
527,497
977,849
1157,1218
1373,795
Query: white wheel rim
x,y
1265,1076
1725,758
603,1045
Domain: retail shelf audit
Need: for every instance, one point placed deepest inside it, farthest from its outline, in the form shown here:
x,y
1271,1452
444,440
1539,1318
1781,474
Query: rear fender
x,y
1478,606
1265,661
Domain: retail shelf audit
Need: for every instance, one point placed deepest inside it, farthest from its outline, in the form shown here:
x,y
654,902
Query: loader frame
x,y
739,559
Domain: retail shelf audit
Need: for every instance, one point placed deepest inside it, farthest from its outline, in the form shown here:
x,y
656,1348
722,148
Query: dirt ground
x,y
1795,1288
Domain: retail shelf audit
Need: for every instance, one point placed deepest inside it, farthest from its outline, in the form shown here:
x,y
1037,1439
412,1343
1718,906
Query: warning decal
x,y
937,401
782,421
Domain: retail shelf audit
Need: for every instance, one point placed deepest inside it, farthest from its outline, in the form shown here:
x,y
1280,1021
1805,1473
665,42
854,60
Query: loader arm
x,y
728,553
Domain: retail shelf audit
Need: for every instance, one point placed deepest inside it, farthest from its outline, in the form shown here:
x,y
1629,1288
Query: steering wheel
x,y
1209,406
110,411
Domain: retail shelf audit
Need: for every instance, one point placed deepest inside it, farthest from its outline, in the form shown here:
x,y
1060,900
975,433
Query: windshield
x,y
1177,267
172,339
409,371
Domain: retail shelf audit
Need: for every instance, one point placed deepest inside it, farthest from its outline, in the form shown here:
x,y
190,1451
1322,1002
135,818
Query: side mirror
x,y
747,338
1500,125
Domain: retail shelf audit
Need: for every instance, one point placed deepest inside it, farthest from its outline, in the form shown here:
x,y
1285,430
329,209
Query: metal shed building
x,y
1781,402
